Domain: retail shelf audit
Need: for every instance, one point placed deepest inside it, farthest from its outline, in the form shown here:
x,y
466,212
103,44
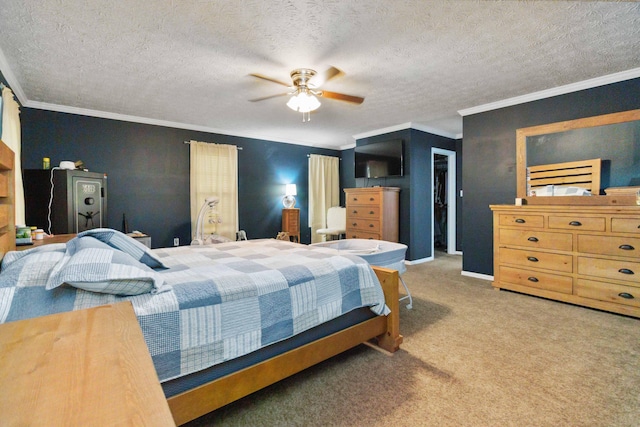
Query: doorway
x,y
443,202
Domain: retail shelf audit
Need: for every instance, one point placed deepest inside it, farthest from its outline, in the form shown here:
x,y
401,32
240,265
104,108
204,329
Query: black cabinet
x,y
62,201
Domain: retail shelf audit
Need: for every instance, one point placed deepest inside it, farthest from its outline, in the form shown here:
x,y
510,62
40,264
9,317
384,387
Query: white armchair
x,y
336,222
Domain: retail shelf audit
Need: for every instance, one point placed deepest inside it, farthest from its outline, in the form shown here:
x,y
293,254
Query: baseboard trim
x,y
418,261
477,275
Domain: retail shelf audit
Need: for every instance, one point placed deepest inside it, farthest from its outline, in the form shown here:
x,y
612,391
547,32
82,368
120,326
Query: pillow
x,y
92,265
31,267
129,245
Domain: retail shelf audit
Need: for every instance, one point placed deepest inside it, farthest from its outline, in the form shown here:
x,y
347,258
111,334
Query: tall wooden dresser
x,y
585,255
291,223
373,213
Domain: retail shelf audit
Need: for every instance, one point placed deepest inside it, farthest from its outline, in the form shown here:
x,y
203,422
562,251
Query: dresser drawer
x,y
625,225
368,225
363,199
536,279
537,239
627,295
357,234
516,220
609,245
355,211
609,269
292,221
527,258
577,223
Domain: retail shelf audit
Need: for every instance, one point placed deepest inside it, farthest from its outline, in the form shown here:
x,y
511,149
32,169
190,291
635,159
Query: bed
x,y
283,331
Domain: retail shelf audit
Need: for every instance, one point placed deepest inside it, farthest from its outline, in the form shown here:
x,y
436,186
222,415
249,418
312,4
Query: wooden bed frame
x,y
187,406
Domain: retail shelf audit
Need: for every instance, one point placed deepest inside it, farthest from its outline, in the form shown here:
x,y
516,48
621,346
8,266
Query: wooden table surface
x,y
57,238
80,368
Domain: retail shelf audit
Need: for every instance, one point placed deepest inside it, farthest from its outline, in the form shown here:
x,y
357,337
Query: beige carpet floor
x,y
472,356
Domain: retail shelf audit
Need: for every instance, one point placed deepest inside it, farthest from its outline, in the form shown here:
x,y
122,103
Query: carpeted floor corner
x,y
472,356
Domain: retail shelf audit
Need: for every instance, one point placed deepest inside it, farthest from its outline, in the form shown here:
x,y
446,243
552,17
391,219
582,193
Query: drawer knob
x,y
354,212
371,212
520,221
532,279
371,199
371,226
575,223
625,271
532,259
354,224
626,247
532,239
625,295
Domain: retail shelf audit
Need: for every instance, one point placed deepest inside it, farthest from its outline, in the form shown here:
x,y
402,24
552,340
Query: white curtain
x,y
324,191
214,172
12,137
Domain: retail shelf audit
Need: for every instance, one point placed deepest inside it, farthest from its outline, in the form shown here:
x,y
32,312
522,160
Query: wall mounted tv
x,y
380,159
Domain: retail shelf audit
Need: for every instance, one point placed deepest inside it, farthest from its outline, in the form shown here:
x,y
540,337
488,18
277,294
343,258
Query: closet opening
x,y
443,179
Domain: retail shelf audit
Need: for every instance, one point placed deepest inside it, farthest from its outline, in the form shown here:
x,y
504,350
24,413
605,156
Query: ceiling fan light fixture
x,y
305,90
303,102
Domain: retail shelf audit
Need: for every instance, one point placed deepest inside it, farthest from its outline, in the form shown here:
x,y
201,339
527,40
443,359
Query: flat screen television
x,y
380,159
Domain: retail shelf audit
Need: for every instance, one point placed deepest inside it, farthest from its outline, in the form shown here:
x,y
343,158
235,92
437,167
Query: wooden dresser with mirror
x,y
583,250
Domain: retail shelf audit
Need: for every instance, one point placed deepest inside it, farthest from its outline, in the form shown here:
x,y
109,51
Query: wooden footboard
x,y
390,281
211,396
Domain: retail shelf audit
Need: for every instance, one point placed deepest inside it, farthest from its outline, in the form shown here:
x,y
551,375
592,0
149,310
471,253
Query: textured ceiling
x,y
187,62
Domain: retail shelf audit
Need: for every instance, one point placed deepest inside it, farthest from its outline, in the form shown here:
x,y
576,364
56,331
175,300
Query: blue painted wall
x,y
148,171
415,185
489,173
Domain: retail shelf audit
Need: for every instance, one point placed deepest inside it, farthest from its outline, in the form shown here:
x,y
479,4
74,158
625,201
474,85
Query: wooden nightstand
x,y
83,367
57,238
142,238
291,223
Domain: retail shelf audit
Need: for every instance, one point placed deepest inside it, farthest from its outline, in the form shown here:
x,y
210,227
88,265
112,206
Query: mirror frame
x,y
588,122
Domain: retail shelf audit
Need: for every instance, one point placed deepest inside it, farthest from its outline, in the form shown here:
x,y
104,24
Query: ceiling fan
x,y
305,89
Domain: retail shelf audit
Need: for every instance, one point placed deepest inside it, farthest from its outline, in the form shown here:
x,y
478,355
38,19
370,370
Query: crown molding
x,y
12,81
428,129
548,93
403,126
382,131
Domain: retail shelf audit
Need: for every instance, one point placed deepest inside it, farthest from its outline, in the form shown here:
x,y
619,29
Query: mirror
x,y
615,138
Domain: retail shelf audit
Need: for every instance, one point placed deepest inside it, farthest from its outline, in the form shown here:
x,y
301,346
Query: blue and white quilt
x,y
217,302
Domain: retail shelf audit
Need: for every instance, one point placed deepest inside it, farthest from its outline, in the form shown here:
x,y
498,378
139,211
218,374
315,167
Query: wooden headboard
x,y
7,209
583,174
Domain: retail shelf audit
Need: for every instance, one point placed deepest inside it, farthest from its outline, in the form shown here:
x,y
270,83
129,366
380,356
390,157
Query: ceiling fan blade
x,y
342,97
268,97
260,76
321,78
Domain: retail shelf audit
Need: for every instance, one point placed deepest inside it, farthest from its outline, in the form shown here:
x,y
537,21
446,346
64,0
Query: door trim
x,y
451,198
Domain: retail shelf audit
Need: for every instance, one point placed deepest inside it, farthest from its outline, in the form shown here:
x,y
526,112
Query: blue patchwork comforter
x,y
221,301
